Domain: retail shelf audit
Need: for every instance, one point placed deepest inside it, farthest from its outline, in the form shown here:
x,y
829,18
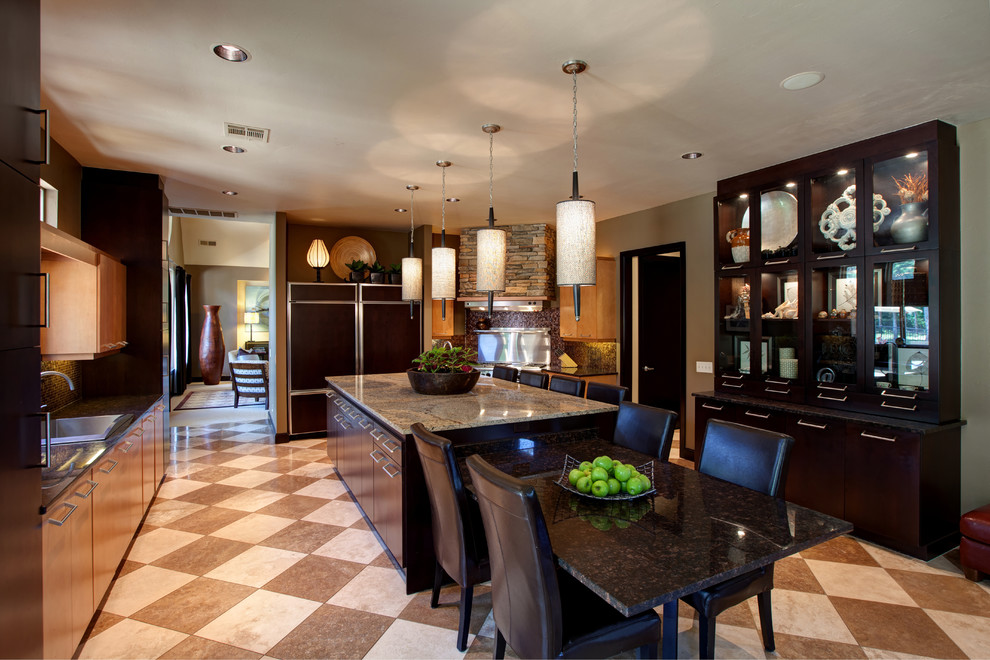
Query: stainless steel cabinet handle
x,y
395,446
776,382
904,249
753,414
645,368
824,257
731,385
877,437
379,458
834,389
48,136
731,267
820,427
899,396
376,434
364,423
390,474
126,449
884,404
773,391
739,377
338,418
59,523
717,408
831,398
108,471
47,323
48,439
346,426
779,261
92,487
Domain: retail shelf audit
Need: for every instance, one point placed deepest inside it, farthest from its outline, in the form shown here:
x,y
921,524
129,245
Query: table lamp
x,y
250,318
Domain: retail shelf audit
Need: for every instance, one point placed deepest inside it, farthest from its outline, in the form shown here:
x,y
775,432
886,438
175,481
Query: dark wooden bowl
x,y
459,382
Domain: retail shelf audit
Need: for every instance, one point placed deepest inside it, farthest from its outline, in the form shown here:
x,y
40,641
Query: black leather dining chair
x,y
568,385
646,429
505,373
552,614
534,378
756,459
458,533
614,394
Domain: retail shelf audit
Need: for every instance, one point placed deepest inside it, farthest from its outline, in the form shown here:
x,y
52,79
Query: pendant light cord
x,y
412,217
491,170
574,76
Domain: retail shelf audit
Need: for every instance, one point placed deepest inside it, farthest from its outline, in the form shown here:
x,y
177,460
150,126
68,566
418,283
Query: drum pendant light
x,y
575,222
412,266
444,258
491,241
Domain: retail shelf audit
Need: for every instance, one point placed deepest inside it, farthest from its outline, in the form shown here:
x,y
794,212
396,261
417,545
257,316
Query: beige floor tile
x,y
189,608
197,648
308,454
970,633
353,545
202,556
790,646
189,454
255,566
318,470
131,639
158,543
895,628
408,639
168,511
245,448
377,590
890,559
259,621
174,488
328,489
143,587
253,528
308,443
885,654
183,469
342,513
247,479
303,536
247,462
863,582
333,632
250,500
808,615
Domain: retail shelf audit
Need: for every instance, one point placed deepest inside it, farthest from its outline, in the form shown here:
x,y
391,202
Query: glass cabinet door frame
x,y
729,210
931,150
795,187
773,383
727,342
811,220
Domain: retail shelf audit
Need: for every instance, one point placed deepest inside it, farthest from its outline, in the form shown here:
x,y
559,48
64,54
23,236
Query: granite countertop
x,y
135,404
579,371
491,402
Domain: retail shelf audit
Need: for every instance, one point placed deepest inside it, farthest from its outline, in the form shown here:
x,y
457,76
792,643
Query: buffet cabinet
x,y
837,278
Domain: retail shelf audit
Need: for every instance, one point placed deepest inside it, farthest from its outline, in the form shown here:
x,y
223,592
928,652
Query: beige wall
x,y
974,148
690,221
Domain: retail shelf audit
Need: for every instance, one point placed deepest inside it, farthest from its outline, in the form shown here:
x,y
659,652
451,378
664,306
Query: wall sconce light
x,y
444,258
318,257
491,241
250,318
575,222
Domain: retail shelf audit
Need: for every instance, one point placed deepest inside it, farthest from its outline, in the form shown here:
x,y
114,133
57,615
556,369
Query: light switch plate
x,y
703,367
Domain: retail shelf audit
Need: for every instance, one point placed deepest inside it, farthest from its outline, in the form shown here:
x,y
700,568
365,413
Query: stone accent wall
x,y
531,261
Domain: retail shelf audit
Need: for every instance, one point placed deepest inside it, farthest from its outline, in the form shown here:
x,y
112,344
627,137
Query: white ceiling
x,y
363,96
235,243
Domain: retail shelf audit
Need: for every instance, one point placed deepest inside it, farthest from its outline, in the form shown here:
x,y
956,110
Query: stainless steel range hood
x,y
506,305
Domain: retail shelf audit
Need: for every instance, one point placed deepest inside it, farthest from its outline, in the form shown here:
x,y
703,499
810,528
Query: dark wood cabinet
x,y
20,313
20,93
816,476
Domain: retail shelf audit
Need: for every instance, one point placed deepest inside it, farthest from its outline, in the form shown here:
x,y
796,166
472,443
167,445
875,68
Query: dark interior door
x,y
661,332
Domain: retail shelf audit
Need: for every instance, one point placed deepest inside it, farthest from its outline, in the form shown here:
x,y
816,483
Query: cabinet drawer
x,y
388,444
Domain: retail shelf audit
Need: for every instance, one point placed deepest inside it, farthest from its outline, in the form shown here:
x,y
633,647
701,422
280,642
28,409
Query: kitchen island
x,y
368,438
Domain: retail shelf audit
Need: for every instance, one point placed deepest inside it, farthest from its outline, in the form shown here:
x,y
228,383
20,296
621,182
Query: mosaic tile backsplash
x,y
55,392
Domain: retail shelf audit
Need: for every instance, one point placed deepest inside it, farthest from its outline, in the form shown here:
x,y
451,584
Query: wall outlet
x,y
703,367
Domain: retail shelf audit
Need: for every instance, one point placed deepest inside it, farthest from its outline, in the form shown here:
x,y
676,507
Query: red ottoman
x,y
974,547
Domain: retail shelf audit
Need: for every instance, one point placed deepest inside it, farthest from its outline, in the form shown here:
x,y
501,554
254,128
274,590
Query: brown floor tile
x,y
219,445
383,561
793,573
202,555
944,592
483,648
287,483
302,536
282,465
215,458
207,521
333,632
197,648
128,567
792,646
274,451
361,523
103,620
210,495
213,474
844,550
895,628
293,506
448,613
194,605
315,578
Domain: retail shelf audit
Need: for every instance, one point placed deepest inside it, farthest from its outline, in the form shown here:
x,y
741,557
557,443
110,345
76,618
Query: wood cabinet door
x,y
20,93
442,327
57,590
568,324
111,278
322,342
816,473
704,410
388,502
606,305
72,309
83,600
391,339
20,314
106,512
147,460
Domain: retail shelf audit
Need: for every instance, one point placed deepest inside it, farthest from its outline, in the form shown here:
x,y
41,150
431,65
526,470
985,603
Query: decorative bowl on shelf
x,y
458,382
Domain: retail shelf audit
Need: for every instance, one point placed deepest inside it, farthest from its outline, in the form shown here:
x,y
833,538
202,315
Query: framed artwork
x,y
252,296
790,291
843,294
744,357
912,368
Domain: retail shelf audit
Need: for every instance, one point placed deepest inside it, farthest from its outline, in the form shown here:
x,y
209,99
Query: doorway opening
x,y
653,328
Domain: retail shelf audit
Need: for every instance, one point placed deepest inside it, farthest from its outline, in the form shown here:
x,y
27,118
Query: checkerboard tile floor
x,y
253,549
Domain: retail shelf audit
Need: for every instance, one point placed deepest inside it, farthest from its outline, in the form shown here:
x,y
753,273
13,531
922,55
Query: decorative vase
x,y
458,382
739,240
912,224
211,348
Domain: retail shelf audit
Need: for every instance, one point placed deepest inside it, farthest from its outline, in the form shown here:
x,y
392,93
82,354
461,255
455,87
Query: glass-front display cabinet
x,y
780,333
834,227
733,334
732,232
779,223
835,346
905,207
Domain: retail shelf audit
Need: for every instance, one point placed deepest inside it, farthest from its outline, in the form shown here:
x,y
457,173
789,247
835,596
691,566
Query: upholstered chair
x,y
646,429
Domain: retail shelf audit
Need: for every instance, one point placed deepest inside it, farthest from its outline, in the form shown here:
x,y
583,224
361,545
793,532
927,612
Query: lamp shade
x,y
575,242
252,317
491,260
444,269
412,278
318,256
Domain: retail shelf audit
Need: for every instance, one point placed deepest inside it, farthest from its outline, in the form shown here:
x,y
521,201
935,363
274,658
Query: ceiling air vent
x,y
208,243
202,213
247,132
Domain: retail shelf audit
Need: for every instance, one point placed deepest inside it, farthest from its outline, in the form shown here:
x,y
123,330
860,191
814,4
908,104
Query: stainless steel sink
x,y
98,427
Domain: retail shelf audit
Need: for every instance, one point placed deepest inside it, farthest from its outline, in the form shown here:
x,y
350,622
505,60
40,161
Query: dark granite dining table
x,y
693,532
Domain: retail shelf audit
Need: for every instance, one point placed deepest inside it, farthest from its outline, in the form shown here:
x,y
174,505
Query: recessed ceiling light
x,y
691,155
232,149
913,154
231,53
842,172
229,192
744,196
791,184
802,80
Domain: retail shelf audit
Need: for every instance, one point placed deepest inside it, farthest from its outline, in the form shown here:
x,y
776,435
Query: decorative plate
x,y
778,219
571,463
347,250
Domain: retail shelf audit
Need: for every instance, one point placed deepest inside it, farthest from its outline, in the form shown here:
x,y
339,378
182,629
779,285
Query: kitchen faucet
x,y
68,380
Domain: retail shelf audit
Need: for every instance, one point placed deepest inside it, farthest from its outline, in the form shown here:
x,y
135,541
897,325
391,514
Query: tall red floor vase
x,y
211,348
